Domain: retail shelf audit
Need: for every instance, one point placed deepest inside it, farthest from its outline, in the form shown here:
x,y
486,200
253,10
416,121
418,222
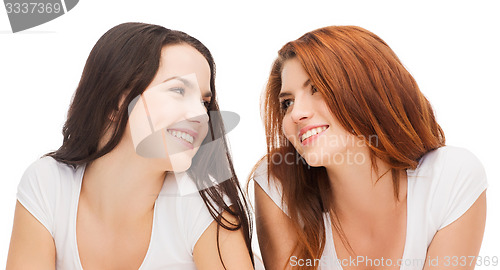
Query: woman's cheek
x,y
289,133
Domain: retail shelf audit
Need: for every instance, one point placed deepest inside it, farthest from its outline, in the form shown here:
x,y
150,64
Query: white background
x,y
451,48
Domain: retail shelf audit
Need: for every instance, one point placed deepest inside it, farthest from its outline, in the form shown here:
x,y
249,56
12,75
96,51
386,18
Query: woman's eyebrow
x,y
188,84
307,83
207,94
184,81
285,93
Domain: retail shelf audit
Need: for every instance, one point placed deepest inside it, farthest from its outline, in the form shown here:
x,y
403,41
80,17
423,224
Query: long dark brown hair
x,y
123,63
368,89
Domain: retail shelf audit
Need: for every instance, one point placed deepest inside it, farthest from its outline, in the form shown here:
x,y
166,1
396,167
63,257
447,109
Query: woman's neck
x,y
121,186
361,193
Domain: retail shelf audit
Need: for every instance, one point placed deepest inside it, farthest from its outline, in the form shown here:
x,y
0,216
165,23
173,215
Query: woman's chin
x,y
180,162
327,157
314,162
314,159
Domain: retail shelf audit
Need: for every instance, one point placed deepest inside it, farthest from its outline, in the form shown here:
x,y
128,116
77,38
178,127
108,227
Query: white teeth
x,y
182,135
311,132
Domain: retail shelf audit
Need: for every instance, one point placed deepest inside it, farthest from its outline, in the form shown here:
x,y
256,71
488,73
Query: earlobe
x,y
113,116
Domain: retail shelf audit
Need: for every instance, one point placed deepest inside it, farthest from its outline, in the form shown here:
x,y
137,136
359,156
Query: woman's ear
x,y
113,116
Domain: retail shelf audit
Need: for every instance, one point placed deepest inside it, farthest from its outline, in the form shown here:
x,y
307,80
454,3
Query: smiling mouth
x,y
312,132
181,135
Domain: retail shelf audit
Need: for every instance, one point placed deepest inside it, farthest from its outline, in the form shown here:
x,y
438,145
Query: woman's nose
x,y
301,110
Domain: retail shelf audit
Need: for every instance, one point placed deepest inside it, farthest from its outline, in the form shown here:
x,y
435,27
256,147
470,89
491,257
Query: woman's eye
x,y
206,103
179,90
313,89
285,104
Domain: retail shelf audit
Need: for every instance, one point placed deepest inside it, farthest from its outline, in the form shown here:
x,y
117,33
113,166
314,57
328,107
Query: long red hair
x,y
370,92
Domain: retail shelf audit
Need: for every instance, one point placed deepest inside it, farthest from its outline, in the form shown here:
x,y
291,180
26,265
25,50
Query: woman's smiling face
x,y
169,120
308,124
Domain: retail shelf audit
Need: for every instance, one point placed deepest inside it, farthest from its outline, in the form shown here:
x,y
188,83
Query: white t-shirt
x,y
50,191
442,188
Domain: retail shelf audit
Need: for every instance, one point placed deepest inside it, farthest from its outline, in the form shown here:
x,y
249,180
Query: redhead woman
x,y
357,174
137,181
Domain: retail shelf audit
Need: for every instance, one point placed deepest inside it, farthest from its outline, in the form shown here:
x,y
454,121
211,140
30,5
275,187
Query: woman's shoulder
x,y
259,171
455,153
451,179
47,182
45,188
441,169
180,198
268,183
47,170
449,159
48,163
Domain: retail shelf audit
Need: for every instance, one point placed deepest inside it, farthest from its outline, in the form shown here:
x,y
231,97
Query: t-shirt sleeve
x,y
195,217
462,180
34,193
270,185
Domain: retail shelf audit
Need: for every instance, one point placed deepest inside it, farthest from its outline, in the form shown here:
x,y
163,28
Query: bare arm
x,y
451,246
31,245
275,232
233,249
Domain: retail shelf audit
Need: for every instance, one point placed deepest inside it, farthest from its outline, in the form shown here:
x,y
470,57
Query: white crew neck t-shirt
x,y
442,188
50,191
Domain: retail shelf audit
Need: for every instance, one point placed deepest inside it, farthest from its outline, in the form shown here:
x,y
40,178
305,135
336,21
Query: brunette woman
x,y
135,184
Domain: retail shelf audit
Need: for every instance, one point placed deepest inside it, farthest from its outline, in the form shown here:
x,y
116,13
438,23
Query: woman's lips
x,y
183,137
308,134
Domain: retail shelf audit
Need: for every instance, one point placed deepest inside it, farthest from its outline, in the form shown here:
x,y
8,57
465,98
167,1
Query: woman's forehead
x,y
180,60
